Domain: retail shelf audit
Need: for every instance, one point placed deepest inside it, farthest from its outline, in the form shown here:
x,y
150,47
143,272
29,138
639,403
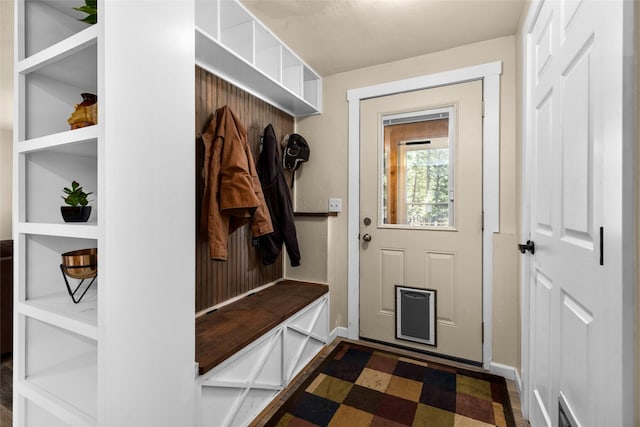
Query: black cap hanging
x,y
295,153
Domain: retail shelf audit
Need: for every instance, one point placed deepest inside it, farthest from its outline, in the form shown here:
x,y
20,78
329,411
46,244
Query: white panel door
x,y
571,93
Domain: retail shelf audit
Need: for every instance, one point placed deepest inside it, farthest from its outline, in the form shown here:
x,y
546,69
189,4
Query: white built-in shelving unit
x,y
56,343
233,44
124,355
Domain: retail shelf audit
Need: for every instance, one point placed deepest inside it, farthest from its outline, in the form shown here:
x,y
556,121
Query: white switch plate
x,y
335,205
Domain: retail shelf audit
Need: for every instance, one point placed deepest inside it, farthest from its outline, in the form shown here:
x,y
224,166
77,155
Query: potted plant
x,y
78,209
90,7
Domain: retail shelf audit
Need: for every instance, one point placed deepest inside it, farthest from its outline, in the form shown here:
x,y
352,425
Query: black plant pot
x,y
75,213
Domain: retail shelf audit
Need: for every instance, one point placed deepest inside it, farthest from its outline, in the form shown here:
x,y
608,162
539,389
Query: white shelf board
x,y
60,50
217,59
85,230
71,142
59,310
35,390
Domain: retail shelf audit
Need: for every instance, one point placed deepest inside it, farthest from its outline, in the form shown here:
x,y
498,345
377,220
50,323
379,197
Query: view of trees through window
x,y
427,186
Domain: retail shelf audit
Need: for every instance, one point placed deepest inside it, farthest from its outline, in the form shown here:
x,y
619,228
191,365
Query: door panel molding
x,y
489,73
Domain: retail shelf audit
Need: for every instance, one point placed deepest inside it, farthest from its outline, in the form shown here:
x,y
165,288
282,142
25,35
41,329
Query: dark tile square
x,y
349,367
444,380
363,398
410,371
382,363
434,396
396,409
474,407
498,392
383,422
314,409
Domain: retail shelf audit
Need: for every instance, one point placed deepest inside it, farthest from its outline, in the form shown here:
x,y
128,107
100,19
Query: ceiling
x,y
334,36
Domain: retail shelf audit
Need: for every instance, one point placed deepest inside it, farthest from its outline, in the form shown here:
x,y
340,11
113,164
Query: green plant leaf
x,y
87,9
75,196
92,3
90,19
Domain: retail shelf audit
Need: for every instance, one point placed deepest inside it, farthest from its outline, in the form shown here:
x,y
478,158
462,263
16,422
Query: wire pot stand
x,y
73,293
82,265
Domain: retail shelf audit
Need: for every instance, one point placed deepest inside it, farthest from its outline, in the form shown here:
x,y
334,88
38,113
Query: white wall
x,y
326,176
6,116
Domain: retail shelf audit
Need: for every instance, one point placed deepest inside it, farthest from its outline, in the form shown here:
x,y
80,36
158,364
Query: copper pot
x,y
81,264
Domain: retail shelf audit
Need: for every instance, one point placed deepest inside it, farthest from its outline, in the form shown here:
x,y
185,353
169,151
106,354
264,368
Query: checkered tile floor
x,y
360,386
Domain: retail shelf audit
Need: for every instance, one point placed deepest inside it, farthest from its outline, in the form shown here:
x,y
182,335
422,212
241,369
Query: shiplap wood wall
x,y
218,281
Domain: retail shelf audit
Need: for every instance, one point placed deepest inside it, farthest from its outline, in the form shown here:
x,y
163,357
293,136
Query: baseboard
x,y
339,331
518,382
509,372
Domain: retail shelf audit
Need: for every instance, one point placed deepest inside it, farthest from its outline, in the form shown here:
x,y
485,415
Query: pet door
x,y
416,315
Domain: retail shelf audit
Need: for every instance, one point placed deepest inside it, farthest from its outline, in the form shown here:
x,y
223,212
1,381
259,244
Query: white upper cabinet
x,y
233,44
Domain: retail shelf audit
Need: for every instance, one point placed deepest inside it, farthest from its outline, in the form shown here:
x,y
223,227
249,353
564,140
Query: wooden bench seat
x,y
227,330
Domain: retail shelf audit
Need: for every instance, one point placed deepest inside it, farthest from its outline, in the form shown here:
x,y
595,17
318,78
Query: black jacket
x,y
276,194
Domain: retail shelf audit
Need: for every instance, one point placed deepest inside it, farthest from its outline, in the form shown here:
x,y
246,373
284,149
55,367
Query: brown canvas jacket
x,y
232,193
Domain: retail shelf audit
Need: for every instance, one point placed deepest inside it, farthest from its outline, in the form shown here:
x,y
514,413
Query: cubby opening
x,y
207,17
311,87
47,172
62,363
35,415
44,284
268,53
291,72
236,29
52,92
47,22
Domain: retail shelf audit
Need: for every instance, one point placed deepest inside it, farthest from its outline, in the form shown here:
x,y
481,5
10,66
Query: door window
x,y
417,183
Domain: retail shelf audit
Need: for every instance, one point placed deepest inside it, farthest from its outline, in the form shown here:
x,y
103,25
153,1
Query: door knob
x,y
366,237
529,246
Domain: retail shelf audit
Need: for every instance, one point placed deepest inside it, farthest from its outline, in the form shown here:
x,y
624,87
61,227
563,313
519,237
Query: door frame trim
x,y
489,73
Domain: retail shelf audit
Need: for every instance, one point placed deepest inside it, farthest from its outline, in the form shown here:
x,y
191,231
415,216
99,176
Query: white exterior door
x,y
574,165
421,213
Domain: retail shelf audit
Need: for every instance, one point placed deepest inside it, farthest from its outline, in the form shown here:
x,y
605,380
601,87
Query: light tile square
x,y
473,387
347,416
498,414
462,421
333,389
374,380
405,388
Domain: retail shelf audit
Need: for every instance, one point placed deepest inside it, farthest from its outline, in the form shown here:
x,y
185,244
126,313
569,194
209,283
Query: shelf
x,y
268,53
67,47
52,84
87,230
61,365
236,29
232,44
315,214
81,142
224,63
291,72
43,408
47,172
45,23
207,17
58,310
